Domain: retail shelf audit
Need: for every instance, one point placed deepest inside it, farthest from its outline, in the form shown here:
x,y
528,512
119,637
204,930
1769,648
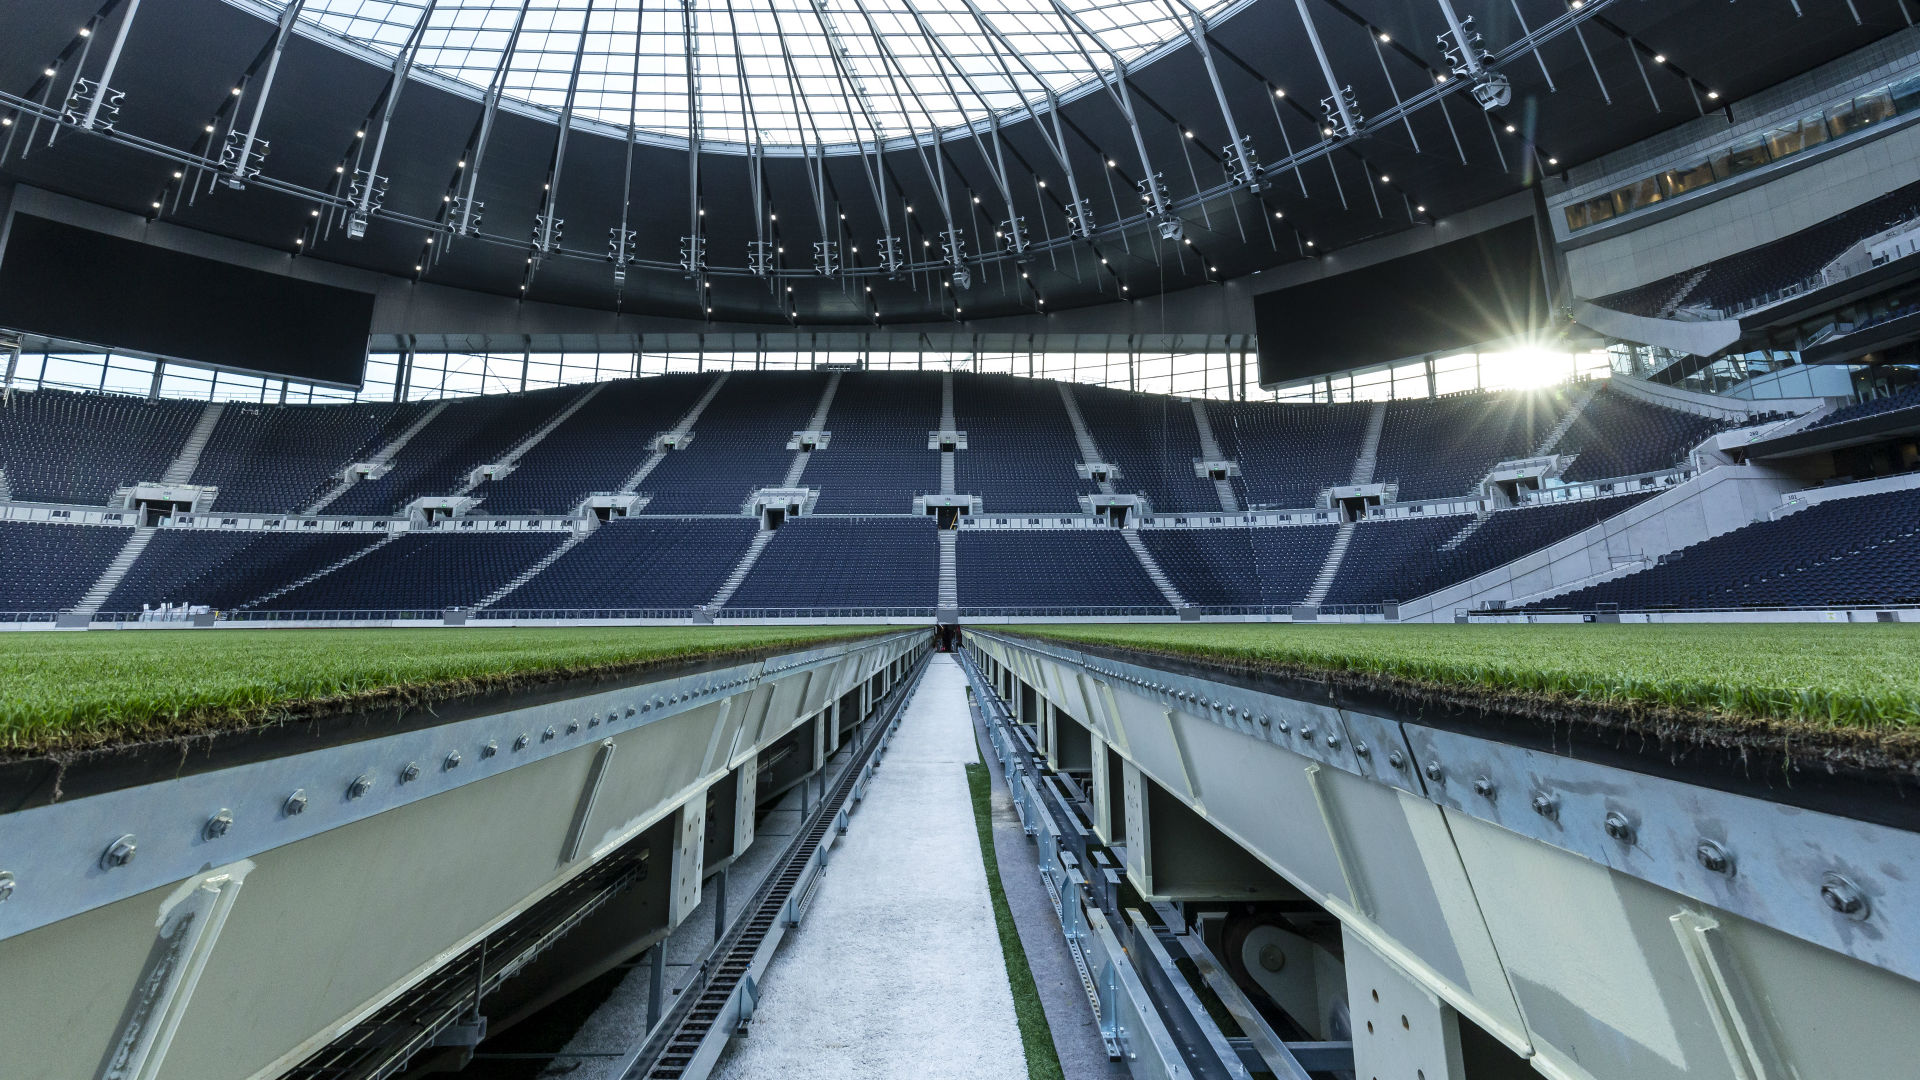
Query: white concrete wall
x,y
1706,506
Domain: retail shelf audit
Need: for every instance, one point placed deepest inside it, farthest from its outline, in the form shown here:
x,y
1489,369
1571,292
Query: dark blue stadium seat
x,y
1021,452
1272,567
45,567
1289,453
63,447
471,432
596,449
1908,398
1154,441
1443,448
637,563
739,444
422,572
1029,568
1843,552
282,458
878,459
225,570
819,562
1616,435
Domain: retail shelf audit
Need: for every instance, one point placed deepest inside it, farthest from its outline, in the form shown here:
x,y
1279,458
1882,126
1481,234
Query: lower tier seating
x,y
422,572
825,562
639,563
1241,567
1403,558
1028,568
225,570
1616,435
1845,552
50,567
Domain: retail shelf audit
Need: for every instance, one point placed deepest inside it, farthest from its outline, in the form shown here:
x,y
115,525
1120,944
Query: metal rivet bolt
x,y
1333,742
1434,772
217,825
594,720
452,761
6,885
1545,805
1396,759
410,771
1840,894
1363,749
630,710
573,726
360,786
492,748
1306,733
1618,826
1483,787
521,742
296,803
548,734
118,853
1714,857
1285,727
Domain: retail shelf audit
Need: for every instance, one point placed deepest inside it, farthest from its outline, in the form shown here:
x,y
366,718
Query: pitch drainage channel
x,y
720,1000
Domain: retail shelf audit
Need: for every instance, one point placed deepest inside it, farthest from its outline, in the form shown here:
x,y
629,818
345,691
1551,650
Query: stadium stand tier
x,y
1021,452
1616,435
1860,551
739,445
594,450
59,446
1029,568
830,562
1153,439
1289,454
279,459
1738,280
877,459
51,567
1908,398
639,563
439,457
1241,567
424,572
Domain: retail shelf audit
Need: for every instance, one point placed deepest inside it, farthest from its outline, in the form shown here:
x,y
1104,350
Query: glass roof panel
x,y
832,71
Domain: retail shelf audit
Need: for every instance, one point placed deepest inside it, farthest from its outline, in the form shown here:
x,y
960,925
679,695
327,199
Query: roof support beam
x,y
1343,114
240,167
103,87
466,216
368,183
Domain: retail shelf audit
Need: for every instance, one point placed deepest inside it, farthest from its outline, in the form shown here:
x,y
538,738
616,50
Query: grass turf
x,y
65,691
1036,1035
1861,677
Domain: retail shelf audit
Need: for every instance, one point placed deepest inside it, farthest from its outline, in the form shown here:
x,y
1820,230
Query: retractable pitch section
x,y
687,1041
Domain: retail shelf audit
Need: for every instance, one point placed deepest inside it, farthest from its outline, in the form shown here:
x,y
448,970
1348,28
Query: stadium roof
x,y
1058,154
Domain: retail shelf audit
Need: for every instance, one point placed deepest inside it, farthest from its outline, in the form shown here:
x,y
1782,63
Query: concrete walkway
x,y
896,969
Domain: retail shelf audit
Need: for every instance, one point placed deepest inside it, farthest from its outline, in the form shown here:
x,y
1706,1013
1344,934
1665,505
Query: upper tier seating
x,y
1241,567
225,570
878,459
1771,267
596,449
639,563
739,444
1289,454
1443,448
1904,399
64,447
1403,558
1616,435
437,460
1027,568
1154,441
1863,550
46,567
279,459
424,572
1021,452
815,562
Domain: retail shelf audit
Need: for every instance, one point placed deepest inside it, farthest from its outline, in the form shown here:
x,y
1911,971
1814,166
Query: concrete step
x,y
322,572
1336,554
1466,531
1152,567
1210,450
383,455
946,472
1565,423
533,571
817,422
949,592
740,570
110,578
1089,451
1369,455
180,470
678,430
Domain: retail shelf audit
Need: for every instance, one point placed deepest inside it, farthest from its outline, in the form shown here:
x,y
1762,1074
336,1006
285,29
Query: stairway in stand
x,y
1337,554
117,569
740,570
949,594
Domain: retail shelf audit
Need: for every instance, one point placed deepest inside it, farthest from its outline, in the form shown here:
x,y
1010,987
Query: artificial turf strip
x,y
1862,677
69,691
1036,1037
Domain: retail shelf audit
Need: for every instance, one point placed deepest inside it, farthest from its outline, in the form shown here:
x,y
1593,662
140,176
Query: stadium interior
x,y
1314,539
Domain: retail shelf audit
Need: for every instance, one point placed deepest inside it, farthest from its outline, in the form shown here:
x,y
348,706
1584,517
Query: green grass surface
x,y
1856,676
1036,1036
68,690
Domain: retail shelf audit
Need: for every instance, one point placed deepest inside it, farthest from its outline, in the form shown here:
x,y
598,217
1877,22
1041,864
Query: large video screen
x,y
67,282
1487,287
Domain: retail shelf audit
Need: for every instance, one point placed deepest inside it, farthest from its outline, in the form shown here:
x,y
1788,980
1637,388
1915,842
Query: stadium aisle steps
x,y
1330,566
533,571
678,431
1368,459
740,570
338,564
181,469
1211,451
111,576
381,457
1154,573
518,450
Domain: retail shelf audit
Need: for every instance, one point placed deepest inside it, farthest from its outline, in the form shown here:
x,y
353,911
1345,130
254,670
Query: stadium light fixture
x,y
361,134
1279,93
209,126
1659,58
1713,95
84,32
1510,129
1384,37
48,73
236,91
177,174
6,121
